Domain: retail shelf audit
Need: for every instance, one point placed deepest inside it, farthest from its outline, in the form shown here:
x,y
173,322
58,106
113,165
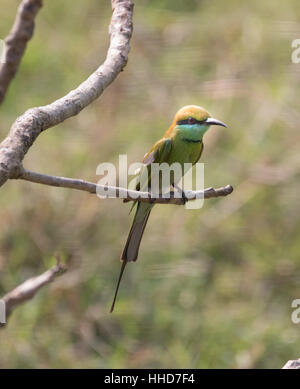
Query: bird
x,y
181,143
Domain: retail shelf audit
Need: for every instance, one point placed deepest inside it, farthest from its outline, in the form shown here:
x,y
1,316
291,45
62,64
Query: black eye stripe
x,y
187,121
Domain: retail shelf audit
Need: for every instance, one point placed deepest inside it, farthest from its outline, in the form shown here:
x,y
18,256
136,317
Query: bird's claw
x,y
184,197
181,192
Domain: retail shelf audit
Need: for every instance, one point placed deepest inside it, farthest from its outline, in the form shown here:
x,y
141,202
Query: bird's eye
x,y
191,120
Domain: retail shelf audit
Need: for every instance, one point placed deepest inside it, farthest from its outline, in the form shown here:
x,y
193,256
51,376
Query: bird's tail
x,y
131,248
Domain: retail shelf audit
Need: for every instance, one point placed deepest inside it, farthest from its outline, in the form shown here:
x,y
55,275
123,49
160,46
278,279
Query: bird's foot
x,y
182,194
184,197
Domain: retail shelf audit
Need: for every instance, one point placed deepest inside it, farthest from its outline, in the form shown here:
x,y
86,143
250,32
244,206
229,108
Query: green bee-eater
x,y
182,143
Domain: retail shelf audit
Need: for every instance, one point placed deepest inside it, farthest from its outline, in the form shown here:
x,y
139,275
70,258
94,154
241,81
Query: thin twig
x,y
27,127
116,192
16,42
27,290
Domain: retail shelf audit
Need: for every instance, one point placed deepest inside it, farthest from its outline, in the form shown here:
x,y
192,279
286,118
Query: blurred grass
x,y
213,287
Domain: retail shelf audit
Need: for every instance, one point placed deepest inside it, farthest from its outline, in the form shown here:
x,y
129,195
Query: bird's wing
x,y
158,153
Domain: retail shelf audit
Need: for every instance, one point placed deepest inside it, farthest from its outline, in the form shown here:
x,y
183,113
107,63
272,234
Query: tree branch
x,y
16,42
123,193
27,127
29,288
292,364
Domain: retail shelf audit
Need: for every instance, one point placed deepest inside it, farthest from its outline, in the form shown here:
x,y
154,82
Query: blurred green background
x,y
213,287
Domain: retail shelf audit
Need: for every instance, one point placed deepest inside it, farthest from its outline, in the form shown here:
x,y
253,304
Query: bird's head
x,y
193,121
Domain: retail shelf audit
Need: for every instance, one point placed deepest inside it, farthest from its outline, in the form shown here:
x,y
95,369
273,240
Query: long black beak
x,y
215,122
